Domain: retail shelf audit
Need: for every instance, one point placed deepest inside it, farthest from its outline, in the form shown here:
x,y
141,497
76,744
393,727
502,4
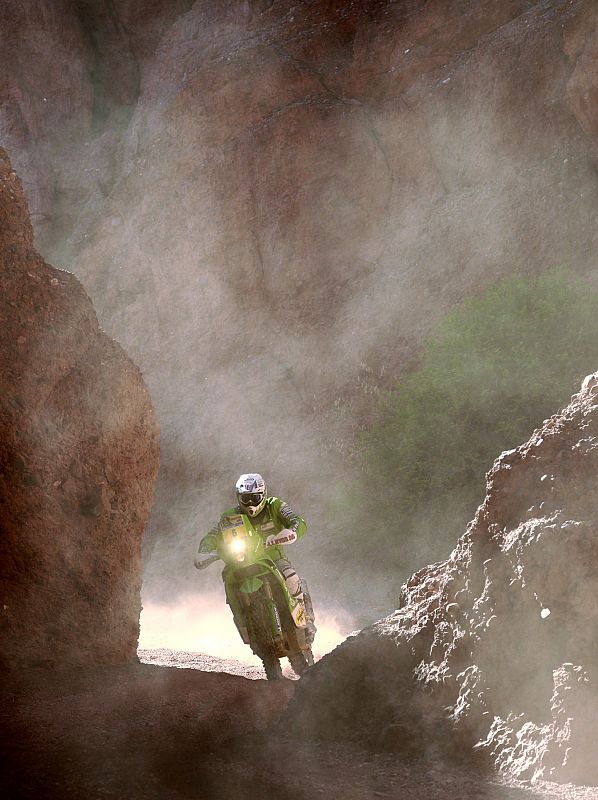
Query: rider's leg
x,y
293,581
298,588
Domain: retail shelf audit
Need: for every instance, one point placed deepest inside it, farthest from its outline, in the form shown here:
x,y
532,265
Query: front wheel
x,y
259,626
272,668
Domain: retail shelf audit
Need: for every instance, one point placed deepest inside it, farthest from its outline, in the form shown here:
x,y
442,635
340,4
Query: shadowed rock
x,y
78,459
494,649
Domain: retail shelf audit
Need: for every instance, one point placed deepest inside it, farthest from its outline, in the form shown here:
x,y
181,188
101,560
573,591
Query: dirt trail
x,y
159,733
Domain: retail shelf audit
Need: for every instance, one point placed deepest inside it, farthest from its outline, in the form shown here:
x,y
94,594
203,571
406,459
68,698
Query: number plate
x,y
233,527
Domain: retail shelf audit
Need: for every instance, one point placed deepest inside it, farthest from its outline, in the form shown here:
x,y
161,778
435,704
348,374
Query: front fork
x,y
245,602
275,612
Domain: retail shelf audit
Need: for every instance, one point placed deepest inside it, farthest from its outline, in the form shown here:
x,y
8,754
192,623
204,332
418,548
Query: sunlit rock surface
x,y
78,459
492,653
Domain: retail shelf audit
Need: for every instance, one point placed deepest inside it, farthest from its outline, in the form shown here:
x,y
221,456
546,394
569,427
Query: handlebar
x,y
206,563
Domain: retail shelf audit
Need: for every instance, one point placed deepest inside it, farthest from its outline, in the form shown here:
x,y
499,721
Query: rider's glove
x,y
285,536
203,560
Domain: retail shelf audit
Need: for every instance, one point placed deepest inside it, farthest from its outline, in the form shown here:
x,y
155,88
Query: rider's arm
x,y
207,550
293,526
290,520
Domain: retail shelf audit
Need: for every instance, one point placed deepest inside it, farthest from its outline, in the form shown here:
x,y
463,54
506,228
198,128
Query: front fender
x,y
251,585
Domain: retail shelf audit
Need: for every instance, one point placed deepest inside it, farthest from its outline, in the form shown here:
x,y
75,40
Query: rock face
x,y
78,459
494,649
71,74
271,203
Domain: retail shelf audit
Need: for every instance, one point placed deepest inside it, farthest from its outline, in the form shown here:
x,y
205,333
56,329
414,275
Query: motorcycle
x,y
268,617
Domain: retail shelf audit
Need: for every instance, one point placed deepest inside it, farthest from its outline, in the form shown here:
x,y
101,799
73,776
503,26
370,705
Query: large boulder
x,y
495,649
78,459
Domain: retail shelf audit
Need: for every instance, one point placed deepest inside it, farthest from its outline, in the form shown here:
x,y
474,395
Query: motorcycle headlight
x,y
237,547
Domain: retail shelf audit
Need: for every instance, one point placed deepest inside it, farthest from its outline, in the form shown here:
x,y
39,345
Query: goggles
x,y
250,498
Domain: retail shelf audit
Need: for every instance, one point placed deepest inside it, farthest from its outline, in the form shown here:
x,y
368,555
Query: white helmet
x,y
251,493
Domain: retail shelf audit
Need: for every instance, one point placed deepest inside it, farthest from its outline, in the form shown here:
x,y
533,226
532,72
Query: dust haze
x,y
202,623
272,251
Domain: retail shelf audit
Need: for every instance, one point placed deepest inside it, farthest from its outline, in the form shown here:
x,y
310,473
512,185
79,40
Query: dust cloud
x,y
279,294
202,623
274,231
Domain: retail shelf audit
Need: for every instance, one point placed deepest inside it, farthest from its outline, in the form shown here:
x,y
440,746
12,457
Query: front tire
x,y
272,669
259,626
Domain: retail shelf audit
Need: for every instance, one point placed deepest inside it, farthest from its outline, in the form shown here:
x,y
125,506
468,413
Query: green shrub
x,y
495,367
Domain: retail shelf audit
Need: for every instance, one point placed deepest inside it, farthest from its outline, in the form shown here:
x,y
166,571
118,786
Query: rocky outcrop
x,y
493,652
78,459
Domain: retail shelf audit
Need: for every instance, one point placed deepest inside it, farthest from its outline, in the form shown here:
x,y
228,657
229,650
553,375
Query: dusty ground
x,y
166,657
159,733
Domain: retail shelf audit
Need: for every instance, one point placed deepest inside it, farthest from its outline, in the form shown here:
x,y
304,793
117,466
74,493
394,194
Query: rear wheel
x,y
259,626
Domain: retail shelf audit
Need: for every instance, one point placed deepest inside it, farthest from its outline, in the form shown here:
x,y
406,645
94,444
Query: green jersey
x,y
275,516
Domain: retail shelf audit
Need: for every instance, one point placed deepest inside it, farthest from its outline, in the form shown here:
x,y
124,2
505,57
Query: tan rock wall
x,y
78,459
492,653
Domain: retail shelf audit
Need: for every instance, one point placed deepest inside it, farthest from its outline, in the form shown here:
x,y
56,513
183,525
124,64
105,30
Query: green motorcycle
x,y
270,620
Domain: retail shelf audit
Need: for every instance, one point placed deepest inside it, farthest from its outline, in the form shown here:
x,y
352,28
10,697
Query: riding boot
x,y
310,633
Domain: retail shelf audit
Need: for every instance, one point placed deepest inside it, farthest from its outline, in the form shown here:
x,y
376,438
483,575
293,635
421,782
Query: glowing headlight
x,y
237,546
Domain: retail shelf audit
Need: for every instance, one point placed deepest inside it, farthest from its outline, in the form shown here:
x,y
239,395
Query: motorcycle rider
x,y
278,524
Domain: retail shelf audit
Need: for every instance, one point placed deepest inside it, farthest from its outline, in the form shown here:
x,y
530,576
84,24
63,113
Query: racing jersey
x,y
275,516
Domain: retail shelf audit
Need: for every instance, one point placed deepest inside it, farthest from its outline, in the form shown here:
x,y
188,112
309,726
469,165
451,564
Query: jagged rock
x,y
493,652
78,459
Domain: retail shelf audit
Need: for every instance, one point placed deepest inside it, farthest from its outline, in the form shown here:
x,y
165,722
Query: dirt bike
x,y
270,620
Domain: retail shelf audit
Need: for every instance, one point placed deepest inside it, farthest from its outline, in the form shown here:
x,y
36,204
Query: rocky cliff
x,y
271,203
78,459
493,652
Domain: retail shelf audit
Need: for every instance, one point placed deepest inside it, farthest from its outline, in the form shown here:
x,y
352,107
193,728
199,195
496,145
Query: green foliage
x,y
492,371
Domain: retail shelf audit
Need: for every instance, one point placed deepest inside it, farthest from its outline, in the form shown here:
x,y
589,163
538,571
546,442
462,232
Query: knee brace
x,y
292,580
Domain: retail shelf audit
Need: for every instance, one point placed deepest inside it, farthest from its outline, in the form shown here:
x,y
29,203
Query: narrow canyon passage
x,y
351,245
